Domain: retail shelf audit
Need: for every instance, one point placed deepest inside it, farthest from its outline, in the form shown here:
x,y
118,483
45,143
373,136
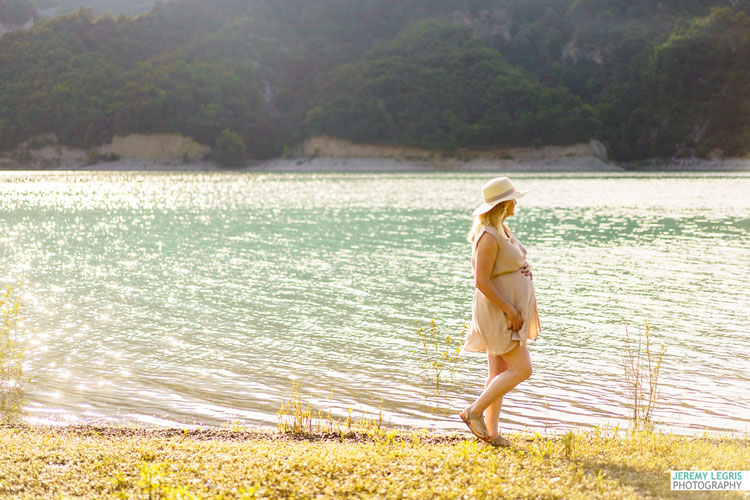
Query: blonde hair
x,y
495,217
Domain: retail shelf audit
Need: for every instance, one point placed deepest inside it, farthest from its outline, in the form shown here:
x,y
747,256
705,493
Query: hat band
x,y
490,200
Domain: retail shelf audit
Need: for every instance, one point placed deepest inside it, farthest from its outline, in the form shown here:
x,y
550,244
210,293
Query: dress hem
x,y
493,353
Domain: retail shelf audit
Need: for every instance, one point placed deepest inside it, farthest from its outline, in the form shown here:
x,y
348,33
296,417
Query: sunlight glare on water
x,y
197,298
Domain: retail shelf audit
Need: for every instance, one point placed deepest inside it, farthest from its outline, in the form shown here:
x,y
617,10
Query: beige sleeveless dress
x,y
488,330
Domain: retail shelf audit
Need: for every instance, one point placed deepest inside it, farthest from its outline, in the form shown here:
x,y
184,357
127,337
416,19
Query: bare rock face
x,y
7,28
42,152
598,149
584,157
268,98
575,52
156,147
45,152
487,23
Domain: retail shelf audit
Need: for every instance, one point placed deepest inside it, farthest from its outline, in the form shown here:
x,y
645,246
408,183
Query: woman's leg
x,y
496,365
519,369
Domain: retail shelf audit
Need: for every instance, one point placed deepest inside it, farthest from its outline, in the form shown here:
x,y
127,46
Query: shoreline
x,y
229,429
109,462
386,165
358,433
390,165
174,152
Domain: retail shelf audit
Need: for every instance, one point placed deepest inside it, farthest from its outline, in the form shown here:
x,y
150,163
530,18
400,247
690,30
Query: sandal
x,y
475,424
499,441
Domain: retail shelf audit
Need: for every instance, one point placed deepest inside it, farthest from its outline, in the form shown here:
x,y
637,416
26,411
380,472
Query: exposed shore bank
x,y
175,152
165,152
236,462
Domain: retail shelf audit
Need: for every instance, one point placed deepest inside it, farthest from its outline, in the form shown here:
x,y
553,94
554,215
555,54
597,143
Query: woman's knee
x,y
519,362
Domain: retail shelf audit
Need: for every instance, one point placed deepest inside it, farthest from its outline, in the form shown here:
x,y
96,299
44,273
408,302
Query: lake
x,y
201,298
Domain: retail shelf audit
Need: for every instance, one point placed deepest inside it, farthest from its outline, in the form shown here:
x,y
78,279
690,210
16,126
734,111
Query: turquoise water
x,y
199,298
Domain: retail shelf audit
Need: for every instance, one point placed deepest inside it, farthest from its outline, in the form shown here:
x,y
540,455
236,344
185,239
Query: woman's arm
x,y
487,249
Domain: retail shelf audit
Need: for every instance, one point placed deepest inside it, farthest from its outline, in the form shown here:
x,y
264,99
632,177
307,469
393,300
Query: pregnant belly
x,y
515,287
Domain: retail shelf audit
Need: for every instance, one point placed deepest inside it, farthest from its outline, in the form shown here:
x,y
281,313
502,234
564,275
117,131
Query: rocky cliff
x,y
586,156
44,151
7,28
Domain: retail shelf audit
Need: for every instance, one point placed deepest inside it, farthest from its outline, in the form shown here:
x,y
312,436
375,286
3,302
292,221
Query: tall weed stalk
x,y
642,368
440,351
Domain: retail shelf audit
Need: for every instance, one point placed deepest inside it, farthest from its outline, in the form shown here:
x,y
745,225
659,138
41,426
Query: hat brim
x,y
486,207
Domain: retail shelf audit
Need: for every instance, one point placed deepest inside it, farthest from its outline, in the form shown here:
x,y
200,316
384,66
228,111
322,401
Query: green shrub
x,y
230,150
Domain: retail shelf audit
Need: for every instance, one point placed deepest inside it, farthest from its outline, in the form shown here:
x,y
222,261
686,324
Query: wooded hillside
x,y
647,79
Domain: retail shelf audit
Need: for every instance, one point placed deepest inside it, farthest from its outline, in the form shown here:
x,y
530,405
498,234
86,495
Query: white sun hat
x,y
496,191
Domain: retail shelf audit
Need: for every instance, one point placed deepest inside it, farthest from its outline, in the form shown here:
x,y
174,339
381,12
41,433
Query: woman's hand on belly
x,y
526,270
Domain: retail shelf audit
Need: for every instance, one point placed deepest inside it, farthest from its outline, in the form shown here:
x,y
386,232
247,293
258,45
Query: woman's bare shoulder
x,y
489,229
487,241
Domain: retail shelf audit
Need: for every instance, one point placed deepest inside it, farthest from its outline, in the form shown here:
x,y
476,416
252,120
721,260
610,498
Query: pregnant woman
x,y
504,311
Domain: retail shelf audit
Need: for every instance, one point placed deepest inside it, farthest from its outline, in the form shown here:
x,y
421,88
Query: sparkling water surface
x,y
200,298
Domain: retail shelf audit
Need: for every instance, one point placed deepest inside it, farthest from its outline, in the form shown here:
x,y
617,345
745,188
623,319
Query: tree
x,y
230,149
437,86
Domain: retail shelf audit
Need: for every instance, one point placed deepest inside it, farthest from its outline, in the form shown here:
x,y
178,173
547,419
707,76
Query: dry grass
x,y
298,417
236,462
11,353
